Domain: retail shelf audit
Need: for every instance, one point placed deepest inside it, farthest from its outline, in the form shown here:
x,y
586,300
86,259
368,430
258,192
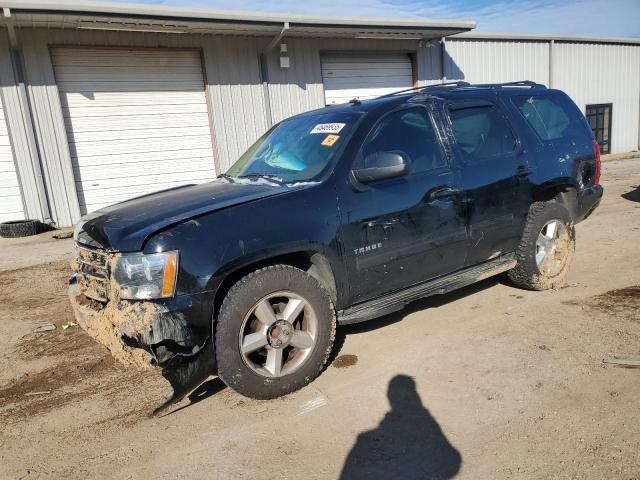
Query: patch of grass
x,y
620,156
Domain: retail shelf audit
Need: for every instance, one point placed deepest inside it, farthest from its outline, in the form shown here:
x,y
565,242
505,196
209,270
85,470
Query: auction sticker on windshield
x,y
328,128
330,140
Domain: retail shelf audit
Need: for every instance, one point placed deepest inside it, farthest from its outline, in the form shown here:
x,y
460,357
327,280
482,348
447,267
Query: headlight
x,y
142,277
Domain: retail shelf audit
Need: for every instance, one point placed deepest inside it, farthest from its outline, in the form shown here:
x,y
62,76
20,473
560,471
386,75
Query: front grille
x,y
93,273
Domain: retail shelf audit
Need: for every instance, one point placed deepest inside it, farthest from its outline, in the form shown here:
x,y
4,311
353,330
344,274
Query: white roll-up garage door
x,y
363,76
10,197
137,121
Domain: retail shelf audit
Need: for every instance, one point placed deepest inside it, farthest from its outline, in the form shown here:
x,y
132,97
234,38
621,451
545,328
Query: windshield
x,y
296,150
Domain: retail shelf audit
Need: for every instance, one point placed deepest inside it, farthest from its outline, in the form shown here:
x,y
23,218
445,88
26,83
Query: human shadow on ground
x,y
407,444
633,195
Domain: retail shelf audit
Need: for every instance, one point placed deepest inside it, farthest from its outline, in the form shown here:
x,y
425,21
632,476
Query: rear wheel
x,y
546,249
275,331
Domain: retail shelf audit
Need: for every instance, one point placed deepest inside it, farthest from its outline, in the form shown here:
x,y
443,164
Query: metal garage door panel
x,y
125,147
117,161
137,121
363,76
82,100
10,198
125,170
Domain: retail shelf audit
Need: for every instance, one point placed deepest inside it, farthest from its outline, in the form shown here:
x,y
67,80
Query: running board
x,y
395,301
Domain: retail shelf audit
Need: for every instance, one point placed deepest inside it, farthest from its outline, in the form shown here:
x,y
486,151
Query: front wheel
x,y
274,333
546,249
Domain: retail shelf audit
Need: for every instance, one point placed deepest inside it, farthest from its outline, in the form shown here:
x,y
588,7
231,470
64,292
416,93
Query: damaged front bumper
x,y
175,333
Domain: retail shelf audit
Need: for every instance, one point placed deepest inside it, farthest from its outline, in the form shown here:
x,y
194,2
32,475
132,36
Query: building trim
x,y
50,132
240,17
21,128
551,45
264,71
543,38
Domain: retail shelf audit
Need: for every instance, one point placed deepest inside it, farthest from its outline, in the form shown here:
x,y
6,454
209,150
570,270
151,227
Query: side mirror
x,y
381,165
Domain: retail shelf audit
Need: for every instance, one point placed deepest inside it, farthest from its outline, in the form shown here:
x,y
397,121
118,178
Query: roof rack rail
x,y
405,90
449,84
519,83
422,87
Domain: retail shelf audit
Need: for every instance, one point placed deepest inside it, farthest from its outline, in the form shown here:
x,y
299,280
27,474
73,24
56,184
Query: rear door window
x,y
554,118
482,133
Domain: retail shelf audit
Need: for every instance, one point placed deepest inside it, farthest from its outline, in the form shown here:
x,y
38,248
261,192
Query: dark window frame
x,y
600,109
471,104
434,126
574,113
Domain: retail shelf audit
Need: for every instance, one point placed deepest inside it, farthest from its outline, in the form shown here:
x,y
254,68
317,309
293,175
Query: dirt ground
x,y
488,382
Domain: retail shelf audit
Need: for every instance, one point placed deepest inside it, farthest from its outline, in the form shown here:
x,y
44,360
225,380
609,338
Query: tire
x,y
20,228
242,314
556,261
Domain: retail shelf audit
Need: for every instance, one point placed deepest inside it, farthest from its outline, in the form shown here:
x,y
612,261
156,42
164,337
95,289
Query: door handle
x,y
443,193
522,172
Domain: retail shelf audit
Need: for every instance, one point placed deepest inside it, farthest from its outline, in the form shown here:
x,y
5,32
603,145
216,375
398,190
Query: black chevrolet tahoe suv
x,y
336,216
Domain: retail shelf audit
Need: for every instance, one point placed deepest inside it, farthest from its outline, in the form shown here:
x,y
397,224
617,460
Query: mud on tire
x,y
233,367
527,273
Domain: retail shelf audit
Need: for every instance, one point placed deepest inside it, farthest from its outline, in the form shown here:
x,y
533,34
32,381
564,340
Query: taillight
x,y
596,153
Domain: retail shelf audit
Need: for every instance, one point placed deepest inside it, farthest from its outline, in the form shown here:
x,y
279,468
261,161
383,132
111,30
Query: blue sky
x,y
619,18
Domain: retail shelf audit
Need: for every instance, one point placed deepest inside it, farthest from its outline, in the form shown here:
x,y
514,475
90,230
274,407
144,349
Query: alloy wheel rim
x,y
551,247
278,334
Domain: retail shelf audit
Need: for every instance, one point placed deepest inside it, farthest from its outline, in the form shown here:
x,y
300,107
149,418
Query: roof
x,y
450,91
545,38
145,17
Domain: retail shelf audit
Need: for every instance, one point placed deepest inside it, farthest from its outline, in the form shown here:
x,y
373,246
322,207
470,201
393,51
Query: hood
x,y
125,226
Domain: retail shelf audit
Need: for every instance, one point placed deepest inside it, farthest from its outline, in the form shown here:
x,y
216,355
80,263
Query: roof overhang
x,y
545,38
163,19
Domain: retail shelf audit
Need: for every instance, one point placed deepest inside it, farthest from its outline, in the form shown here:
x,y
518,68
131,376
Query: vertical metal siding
x,y
21,138
299,88
490,61
600,73
236,94
11,205
10,196
50,131
429,63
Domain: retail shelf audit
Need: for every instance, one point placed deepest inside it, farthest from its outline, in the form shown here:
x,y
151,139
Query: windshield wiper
x,y
226,177
255,176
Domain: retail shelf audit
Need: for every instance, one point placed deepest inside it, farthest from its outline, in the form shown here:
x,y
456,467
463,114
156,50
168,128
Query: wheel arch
x,y
314,262
563,191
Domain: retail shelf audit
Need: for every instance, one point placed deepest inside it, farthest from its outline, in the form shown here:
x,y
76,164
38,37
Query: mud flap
x,y
185,372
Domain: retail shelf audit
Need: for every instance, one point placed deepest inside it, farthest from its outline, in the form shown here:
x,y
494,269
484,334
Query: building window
x,y
599,117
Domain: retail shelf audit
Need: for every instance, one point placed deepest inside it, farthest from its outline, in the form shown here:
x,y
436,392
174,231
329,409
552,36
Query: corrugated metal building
x,y
102,102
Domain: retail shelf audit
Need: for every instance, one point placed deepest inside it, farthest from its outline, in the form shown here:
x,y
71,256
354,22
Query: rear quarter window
x,y
554,118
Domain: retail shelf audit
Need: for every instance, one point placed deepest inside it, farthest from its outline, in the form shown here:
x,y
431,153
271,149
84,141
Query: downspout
x,y
443,56
264,72
27,119
551,45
